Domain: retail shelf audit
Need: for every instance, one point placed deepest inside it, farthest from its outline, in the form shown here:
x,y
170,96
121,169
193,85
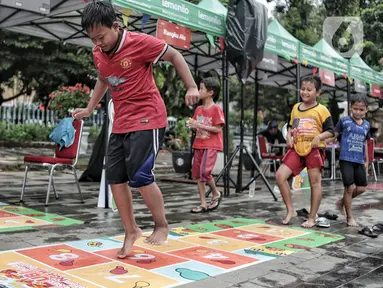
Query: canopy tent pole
x,y
255,121
298,82
106,120
226,146
241,134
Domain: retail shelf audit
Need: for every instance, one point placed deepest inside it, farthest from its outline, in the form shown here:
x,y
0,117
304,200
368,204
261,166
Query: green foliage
x,y
94,131
373,34
42,65
24,132
67,98
183,133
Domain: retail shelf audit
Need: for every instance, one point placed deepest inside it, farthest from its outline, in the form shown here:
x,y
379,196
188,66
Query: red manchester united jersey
x,y
137,102
212,116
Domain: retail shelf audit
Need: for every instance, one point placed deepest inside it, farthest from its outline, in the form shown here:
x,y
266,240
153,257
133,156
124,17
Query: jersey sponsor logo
x,y
115,81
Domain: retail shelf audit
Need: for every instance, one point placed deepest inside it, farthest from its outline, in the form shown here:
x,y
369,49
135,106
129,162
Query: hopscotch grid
x,y
58,270
30,226
67,272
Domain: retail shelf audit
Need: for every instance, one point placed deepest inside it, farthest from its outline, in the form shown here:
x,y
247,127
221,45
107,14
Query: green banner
x,y
362,74
311,56
283,47
180,12
360,70
280,42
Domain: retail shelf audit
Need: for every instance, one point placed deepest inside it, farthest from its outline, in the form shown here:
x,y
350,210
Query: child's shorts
x,y
131,157
203,164
353,173
297,163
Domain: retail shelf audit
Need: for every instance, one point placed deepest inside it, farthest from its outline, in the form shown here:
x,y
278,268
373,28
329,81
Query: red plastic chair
x,y
371,156
266,157
66,157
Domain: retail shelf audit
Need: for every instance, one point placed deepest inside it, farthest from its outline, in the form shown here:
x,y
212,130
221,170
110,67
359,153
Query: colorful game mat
x,y
17,218
191,253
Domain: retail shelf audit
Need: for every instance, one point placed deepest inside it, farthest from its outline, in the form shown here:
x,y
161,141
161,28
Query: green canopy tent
x,y
359,70
323,56
63,23
338,65
281,43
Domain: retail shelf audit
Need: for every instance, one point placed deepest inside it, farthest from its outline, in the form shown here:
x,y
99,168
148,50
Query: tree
x,y
42,65
373,34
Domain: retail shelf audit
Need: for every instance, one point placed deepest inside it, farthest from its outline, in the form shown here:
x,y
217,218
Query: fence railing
x,y
23,114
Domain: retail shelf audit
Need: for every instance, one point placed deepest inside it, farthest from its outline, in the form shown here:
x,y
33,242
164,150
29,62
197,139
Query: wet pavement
x,y
356,261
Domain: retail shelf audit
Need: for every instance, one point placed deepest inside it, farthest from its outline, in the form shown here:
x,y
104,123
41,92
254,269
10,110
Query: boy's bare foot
x,y
128,243
290,214
310,223
339,204
351,222
159,236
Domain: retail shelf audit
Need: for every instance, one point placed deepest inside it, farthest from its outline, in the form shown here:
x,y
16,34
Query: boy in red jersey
x,y
124,63
208,120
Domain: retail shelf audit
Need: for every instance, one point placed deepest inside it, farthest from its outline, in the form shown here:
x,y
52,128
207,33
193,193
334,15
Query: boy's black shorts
x,y
353,173
131,157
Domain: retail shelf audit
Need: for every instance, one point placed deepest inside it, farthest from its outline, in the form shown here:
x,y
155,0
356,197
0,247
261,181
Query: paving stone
x,y
245,274
276,279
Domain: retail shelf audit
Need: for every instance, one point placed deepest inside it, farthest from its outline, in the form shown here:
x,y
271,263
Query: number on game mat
x,y
117,277
63,256
142,256
246,236
216,256
217,242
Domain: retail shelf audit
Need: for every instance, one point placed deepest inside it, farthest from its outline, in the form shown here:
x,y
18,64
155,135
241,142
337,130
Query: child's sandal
x,y
198,209
213,205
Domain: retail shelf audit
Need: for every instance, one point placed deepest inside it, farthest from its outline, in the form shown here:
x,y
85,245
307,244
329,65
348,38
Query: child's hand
x,y
191,123
366,167
289,142
316,142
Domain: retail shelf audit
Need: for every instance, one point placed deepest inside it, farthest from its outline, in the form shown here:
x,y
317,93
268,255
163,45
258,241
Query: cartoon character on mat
x,y
295,246
119,270
94,244
223,226
192,274
268,251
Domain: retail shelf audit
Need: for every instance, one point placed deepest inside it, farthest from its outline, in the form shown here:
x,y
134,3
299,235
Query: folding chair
x,y
371,157
267,158
66,157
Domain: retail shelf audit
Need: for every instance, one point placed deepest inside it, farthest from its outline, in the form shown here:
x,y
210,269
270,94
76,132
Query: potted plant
x,y
181,152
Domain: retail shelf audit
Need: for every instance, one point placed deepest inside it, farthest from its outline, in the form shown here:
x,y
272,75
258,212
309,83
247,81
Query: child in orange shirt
x,y
310,124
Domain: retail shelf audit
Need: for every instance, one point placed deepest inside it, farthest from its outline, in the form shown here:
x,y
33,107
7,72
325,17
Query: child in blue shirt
x,y
354,132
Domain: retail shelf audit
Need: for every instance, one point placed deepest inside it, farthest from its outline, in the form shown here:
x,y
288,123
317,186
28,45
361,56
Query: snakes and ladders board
x,y
17,218
190,254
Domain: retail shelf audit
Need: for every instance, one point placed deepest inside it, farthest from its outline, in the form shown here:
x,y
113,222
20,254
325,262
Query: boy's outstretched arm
x,y
98,93
175,57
